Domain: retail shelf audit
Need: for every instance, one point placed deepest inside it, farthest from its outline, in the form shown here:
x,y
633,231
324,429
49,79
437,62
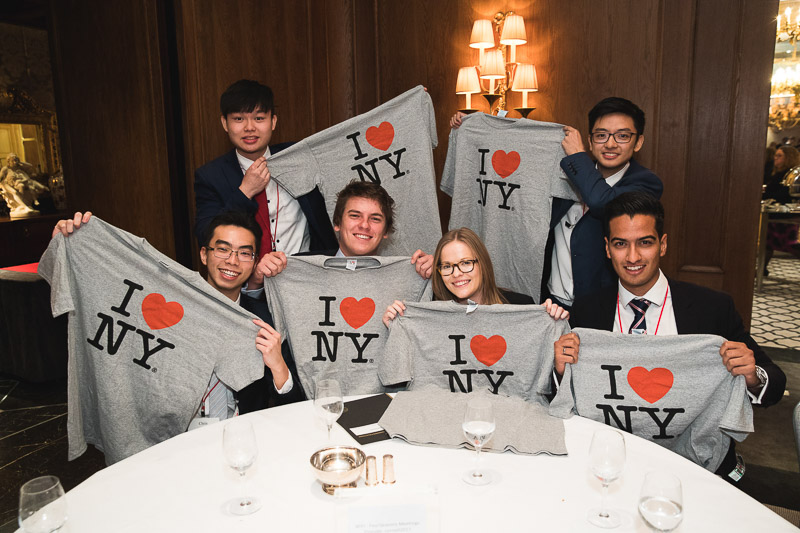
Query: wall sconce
x,y
499,66
469,84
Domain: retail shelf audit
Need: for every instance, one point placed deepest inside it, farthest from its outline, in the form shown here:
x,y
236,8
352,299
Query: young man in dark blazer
x,y
240,179
635,242
575,262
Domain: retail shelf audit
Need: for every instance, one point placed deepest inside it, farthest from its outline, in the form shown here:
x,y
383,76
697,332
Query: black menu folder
x,y
360,414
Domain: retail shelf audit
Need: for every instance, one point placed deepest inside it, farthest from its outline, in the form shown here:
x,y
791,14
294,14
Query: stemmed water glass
x,y
42,505
661,501
478,428
606,460
241,451
328,402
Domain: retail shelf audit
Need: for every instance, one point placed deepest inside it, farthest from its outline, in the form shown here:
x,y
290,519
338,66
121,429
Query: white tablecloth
x,y
182,484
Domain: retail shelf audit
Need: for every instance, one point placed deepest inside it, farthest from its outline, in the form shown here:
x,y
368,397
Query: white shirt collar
x,y
245,162
655,295
339,253
613,178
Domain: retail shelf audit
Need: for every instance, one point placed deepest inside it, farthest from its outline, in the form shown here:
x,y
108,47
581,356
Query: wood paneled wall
x,y
700,69
109,80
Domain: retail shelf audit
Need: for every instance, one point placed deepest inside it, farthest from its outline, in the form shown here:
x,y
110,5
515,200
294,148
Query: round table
x,y
183,483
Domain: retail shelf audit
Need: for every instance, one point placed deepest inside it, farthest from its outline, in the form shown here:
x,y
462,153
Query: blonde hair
x,y
490,294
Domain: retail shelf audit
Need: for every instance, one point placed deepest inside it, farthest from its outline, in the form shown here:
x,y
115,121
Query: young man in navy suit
x,y
575,262
635,242
240,179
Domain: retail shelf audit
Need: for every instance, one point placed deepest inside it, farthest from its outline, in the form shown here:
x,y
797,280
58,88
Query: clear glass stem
x,y
329,432
603,510
477,472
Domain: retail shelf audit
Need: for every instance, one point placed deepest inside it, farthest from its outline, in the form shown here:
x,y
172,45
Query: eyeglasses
x,y
465,266
224,252
622,137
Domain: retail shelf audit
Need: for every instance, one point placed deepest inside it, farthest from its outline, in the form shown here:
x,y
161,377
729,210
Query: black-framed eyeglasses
x,y
621,137
465,266
224,252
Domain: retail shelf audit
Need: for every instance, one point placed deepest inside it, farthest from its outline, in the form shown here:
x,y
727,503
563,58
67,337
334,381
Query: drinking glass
x,y
661,501
606,460
478,428
241,451
328,402
42,505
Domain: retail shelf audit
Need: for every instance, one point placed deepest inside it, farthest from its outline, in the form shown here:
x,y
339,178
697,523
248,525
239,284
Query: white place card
x,y
389,510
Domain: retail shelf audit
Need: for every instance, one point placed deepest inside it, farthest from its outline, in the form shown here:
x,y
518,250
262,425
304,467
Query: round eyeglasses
x,y
465,266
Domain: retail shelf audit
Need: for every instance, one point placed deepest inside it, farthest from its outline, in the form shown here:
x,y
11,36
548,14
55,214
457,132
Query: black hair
x,y
614,104
234,218
365,189
631,204
246,96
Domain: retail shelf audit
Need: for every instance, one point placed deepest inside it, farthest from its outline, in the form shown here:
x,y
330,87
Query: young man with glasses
x,y
575,261
230,252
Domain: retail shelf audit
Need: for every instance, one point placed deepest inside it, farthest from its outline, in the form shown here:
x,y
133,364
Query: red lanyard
x,y
619,313
273,233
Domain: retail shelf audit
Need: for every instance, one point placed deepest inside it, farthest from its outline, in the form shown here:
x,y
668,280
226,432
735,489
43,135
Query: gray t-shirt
x,y
506,349
503,174
145,335
389,145
330,309
672,390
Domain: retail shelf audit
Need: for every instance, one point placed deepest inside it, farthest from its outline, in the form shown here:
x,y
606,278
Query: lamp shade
x,y
468,82
525,78
493,67
514,31
482,34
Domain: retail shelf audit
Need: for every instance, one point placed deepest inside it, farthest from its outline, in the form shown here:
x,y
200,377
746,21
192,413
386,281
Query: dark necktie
x,y
262,216
639,306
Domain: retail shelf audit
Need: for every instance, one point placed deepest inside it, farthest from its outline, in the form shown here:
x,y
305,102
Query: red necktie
x,y
262,216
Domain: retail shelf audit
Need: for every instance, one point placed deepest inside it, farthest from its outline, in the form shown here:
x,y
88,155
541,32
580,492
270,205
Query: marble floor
x,y
776,309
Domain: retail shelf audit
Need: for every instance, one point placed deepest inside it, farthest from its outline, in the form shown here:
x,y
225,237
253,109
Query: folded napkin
x,y
432,417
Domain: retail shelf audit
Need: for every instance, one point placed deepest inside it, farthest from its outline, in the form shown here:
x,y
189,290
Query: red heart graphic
x,y
651,385
381,137
488,351
357,312
505,163
159,313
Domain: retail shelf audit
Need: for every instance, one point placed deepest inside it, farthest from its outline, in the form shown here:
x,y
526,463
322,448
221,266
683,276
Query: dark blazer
x,y
591,269
257,395
698,310
216,190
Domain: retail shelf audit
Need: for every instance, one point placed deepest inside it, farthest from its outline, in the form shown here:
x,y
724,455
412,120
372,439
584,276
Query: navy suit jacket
x,y
591,269
216,190
698,310
257,395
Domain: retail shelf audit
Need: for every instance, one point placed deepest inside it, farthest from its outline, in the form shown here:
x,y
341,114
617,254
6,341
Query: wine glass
x,y
661,501
42,505
241,451
606,460
478,428
328,402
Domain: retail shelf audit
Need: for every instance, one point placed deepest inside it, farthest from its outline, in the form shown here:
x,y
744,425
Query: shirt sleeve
x,y
430,113
287,387
396,365
54,268
296,169
449,172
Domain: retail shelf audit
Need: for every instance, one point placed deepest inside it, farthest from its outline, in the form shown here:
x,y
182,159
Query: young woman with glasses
x,y
463,271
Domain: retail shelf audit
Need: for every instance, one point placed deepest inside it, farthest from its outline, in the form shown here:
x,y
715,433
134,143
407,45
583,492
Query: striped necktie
x,y
639,306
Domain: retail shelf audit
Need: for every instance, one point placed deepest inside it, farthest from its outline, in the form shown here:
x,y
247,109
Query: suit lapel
x,y
681,306
232,170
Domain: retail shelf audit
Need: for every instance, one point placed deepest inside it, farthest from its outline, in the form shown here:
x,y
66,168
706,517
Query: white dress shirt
x,y
560,283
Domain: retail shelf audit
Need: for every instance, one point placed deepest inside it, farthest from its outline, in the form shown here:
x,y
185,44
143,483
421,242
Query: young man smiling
x,y
575,261
647,302
240,180
362,218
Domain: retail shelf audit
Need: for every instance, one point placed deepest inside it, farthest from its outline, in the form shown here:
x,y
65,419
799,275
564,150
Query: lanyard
x,y
619,313
205,398
273,233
